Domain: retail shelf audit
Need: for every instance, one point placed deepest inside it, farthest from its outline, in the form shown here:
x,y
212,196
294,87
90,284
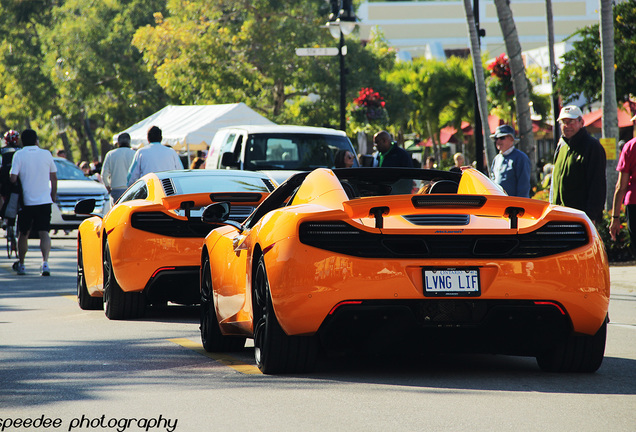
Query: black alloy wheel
x,y
211,337
84,299
577,353
119,305
274,351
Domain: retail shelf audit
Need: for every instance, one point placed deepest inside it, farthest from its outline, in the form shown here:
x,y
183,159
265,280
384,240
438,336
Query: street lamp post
x,y
342,21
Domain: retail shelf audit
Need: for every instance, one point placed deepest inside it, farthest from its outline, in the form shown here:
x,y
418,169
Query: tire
x,y
12,244
274,351
211,337
84,299
577,353
119,305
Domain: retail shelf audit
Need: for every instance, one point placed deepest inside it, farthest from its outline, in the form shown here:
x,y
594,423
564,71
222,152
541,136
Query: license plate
x,y
451,282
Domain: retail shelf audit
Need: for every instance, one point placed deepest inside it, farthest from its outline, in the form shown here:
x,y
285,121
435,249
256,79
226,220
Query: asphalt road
x,y
73,370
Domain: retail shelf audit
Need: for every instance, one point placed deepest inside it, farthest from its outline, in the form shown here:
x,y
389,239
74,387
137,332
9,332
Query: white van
x,y
277,150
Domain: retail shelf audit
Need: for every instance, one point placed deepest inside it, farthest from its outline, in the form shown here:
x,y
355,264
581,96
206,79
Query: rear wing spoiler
x,y
202,199
495,206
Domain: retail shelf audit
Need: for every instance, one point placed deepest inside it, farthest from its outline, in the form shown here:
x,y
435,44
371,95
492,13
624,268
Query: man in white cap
x,y
625,192
511,167
578,179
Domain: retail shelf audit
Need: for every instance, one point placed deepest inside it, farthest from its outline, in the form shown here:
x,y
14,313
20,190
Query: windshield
x,y
68,171
299,152
216,183
366,182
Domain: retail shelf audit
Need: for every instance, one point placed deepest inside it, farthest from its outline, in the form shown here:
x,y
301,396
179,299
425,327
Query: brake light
x,y
343,303
550,303
162,269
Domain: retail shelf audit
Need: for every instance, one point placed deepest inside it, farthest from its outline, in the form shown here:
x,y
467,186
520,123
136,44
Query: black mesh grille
x,y
438,219
550,239
163,224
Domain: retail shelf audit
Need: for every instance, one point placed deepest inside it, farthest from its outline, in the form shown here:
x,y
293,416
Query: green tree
x,y
520,84
231,51
582,70
237,50
101,82
25,88
610,112
432,87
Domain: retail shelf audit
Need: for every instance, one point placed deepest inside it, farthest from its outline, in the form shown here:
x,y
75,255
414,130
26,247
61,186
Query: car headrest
x,y
444,187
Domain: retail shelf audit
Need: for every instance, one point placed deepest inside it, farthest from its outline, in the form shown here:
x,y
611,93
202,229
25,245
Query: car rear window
x,y
199,184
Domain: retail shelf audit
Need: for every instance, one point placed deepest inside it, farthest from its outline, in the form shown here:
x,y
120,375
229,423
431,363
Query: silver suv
x,y
73,186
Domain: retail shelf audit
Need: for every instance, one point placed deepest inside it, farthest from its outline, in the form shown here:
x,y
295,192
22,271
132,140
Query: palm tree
x,y
480,84
610,114
554,100
519,80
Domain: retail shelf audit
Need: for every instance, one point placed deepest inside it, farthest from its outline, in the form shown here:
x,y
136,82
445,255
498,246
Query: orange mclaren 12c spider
x,y
347,259
146,249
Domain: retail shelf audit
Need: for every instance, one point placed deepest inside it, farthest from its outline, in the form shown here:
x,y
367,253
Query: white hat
x,y
570,112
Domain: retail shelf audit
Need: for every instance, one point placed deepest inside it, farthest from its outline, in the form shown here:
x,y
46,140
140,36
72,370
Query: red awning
x,y
445,134
594,119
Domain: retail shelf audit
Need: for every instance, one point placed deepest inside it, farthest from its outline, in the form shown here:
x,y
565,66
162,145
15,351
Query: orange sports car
x,y
368,258
146,249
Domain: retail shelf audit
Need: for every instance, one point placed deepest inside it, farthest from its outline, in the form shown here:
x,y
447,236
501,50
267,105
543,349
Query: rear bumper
x,y
176,284
306,283
520,327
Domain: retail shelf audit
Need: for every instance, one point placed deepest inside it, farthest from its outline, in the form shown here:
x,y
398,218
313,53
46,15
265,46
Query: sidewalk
x,y
623,277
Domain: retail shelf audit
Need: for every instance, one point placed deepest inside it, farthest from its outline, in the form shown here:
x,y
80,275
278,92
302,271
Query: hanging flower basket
x,y
367,112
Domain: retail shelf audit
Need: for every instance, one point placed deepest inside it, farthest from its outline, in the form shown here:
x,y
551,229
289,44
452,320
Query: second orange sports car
x,y
354,258
146,249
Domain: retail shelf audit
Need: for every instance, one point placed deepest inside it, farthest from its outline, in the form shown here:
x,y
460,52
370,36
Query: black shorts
x,y
36,218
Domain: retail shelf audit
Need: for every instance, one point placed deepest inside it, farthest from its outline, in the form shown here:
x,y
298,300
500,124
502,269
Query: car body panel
x,y
140,250
307,283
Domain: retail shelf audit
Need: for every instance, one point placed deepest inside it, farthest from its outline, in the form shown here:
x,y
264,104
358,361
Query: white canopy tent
x,y
192,127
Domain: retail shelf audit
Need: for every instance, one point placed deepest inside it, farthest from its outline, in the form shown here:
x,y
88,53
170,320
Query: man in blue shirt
x,y
511,167
153,158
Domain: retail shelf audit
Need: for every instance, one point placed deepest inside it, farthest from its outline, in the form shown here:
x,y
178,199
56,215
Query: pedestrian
x,y
388,153
116,165
547,175
343,159
96,171
9,192
35,169
153,158
625,192
459,160
578,177
197,163
510,168
430,162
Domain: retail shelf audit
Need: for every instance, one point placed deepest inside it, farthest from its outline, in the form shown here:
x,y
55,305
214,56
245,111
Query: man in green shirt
x,y
578,179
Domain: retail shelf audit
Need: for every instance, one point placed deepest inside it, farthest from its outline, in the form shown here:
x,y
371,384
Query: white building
x,y
426,28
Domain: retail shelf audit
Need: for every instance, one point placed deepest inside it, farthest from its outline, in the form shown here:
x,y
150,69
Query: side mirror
x,y
218,213
229,160
85,206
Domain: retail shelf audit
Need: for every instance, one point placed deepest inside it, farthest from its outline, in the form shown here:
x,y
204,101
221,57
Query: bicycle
x,y
12,244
